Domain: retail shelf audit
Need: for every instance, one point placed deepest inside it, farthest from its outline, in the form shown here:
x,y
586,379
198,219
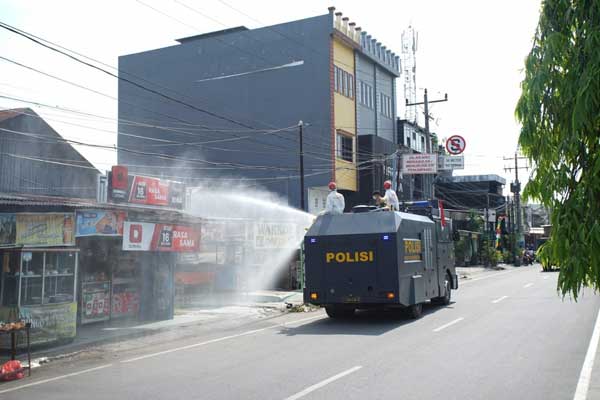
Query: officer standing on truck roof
x,y
335,201
390,198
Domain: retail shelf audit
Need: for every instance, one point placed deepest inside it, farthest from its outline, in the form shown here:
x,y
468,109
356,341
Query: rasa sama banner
x,y
146,236
125,188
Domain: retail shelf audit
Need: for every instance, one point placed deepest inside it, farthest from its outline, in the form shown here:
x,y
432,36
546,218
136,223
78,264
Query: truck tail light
x,y
390,295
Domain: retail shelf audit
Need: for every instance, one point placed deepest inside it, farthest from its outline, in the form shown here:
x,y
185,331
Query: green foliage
x,y
475,222
460,251
506,257
559,110
490,254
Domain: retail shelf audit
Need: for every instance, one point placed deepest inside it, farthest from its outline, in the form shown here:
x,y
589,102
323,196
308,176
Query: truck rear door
x,y
350,269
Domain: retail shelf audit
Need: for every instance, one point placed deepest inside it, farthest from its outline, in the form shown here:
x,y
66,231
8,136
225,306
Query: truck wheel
x,y
415,311
447,297
339,312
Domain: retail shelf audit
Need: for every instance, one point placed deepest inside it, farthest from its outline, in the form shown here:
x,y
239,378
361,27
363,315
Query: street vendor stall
x,y
39,276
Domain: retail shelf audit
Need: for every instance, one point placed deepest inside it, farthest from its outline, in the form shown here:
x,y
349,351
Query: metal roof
x,y
24,200
473,179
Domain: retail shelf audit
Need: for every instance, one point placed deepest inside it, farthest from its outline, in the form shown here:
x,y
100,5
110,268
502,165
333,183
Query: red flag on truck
x,y
442,216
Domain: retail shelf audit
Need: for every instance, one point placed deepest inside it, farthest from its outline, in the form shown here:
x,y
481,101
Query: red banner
x,y
150,191
145,236
175,238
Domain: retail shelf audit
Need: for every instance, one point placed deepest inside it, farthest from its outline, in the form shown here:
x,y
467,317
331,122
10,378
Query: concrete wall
x,y
366,116
345,117
264,100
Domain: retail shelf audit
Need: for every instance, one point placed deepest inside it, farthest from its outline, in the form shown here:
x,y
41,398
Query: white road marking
x,y
323,383
586,370
191,346
462,282
528,285
56,378
457,320
499,300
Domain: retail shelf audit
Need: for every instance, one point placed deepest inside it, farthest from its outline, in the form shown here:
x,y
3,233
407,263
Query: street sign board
x,y
455,144
451,162
419,163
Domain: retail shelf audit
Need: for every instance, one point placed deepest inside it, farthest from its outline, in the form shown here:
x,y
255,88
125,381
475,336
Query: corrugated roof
x,y
474,178
24,200
11,113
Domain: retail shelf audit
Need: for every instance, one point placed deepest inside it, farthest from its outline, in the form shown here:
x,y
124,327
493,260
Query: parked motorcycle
x,y
528,257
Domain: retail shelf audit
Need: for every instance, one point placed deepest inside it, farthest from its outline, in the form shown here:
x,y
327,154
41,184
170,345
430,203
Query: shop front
x,y
39,274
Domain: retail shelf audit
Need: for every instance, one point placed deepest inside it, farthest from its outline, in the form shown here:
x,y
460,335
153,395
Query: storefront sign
x,y
8,229
275,235
45,229
419,163
124,188
213,231
100,223
49,323
451,162
145,236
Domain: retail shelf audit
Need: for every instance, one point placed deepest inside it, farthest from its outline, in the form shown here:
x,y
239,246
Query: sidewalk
x,y
250,306
466,273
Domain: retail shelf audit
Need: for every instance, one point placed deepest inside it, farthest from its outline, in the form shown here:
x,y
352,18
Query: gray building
x,y
216,106
35,159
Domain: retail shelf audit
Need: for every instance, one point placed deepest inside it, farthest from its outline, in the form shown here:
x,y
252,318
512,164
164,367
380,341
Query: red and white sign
x,y
455,144
146,236
150,191
145,190
419,164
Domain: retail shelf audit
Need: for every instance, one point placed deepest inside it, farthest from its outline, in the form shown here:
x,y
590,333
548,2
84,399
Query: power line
x,y
236,138
140,86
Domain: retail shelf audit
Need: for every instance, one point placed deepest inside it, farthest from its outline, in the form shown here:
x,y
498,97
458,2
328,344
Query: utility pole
x,y
515,187
300,128
425,104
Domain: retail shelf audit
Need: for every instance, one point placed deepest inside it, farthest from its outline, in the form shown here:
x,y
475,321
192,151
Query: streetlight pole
x,y
300,132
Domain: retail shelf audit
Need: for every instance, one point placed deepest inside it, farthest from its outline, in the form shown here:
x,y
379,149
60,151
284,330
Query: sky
x,y
472,50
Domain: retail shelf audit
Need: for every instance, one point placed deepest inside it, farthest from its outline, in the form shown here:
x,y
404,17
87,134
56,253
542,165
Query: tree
x,y
559,110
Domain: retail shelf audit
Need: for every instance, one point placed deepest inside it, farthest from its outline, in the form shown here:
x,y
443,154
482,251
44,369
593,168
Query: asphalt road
x,y
507,335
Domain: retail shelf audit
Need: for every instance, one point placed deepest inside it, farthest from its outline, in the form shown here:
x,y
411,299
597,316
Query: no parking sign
x,y
455,144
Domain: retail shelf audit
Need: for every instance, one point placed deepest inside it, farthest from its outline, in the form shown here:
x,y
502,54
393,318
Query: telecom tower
x,y
410,40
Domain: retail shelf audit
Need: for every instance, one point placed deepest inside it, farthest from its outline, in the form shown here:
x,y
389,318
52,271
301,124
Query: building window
x,y
366,95
344,82
386,105
344,147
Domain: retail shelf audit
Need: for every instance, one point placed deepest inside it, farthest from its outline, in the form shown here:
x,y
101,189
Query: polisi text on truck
x,y
349,257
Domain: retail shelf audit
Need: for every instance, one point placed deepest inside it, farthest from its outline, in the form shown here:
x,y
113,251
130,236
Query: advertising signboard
x,y
124,188
419,163
274,235
99,223
49,323
8,229
45,229
146,236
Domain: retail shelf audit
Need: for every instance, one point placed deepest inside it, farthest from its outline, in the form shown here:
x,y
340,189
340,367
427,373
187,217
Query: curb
x,y
70,350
